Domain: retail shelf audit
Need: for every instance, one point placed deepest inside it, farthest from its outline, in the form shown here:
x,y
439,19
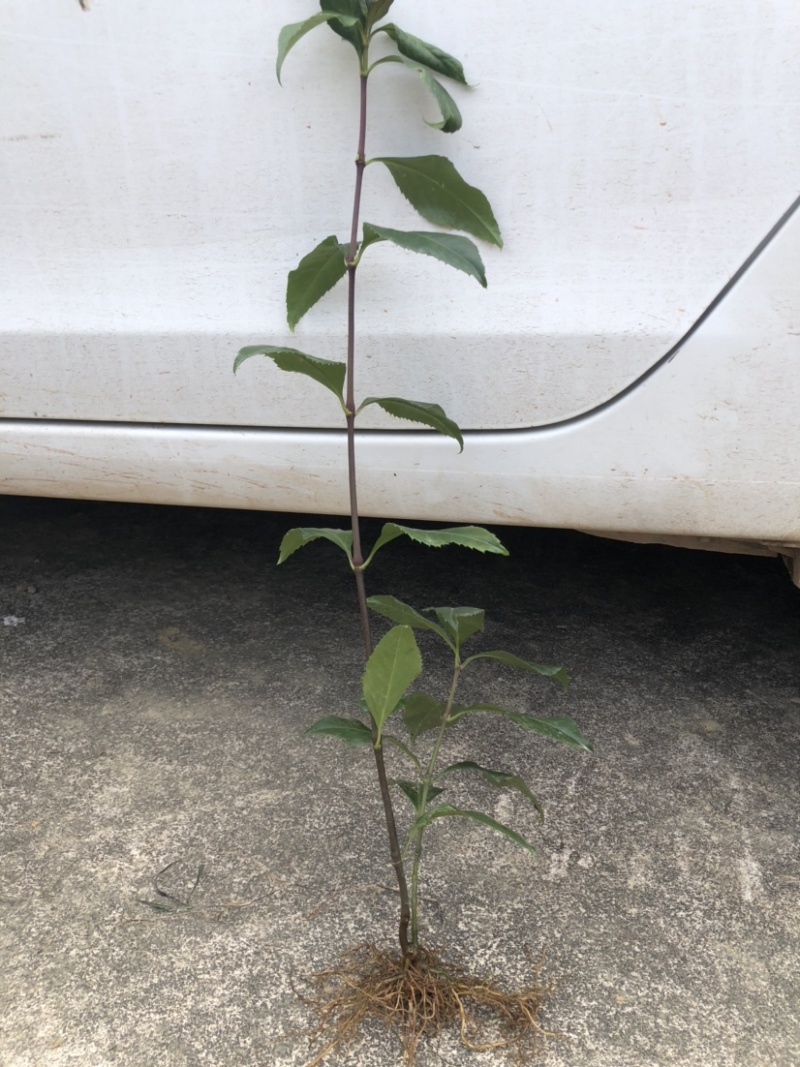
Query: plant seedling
x,y
411,988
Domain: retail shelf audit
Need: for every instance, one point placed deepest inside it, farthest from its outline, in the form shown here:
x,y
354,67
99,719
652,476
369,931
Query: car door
x,y
158,184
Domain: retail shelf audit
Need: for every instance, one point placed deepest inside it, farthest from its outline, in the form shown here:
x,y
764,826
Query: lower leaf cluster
x,y
391,670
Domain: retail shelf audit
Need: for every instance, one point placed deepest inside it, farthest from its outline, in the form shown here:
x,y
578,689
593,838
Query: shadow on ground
x,y
157,674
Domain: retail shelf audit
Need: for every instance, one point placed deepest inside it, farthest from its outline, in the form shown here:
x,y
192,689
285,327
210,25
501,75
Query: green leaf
x,y
350,20
291,34
428,54
445,811
460,623
410,789
395,610
369,237
304,535
451,116
390,670
421,713
561,729
458,252
352,731
378,9
388,533
465,536
437,191
558,674
325,371
314,275
417,411
499,779
390,739
413,791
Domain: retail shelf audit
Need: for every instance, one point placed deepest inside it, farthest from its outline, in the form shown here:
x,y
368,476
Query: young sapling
x,y
412,988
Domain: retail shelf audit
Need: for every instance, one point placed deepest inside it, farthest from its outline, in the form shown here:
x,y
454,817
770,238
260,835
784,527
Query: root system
x,y
418,998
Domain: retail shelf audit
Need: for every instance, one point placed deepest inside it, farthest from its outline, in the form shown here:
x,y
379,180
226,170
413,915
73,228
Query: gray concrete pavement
x,y
157,672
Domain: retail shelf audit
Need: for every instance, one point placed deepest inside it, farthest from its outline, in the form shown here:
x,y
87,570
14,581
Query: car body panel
x,y
687,453
158,185
632,368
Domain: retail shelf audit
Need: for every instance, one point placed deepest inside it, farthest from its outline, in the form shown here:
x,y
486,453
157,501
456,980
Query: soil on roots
x,y
418,997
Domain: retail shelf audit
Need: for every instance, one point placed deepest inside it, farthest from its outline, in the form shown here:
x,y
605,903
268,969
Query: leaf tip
x,y
241,356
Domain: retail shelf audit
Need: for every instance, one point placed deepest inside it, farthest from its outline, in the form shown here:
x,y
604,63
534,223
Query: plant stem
x,y
425,784
358,555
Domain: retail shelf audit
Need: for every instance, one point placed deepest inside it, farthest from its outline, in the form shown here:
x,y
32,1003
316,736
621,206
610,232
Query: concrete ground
x,y
157,674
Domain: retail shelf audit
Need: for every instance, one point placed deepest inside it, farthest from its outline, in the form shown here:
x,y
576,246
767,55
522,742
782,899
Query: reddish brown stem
x,y
358,555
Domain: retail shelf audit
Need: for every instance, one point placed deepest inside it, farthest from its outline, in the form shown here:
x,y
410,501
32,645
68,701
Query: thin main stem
x,y
358,555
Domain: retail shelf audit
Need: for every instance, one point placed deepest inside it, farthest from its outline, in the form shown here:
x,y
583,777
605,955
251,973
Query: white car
x,y
633,368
